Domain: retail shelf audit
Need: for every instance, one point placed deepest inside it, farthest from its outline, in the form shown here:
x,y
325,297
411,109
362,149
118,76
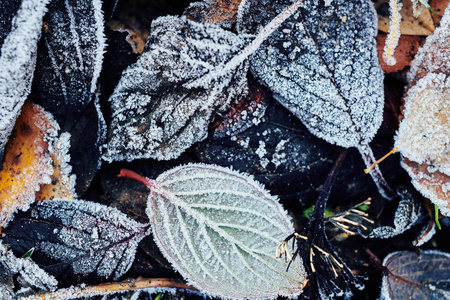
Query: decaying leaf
x,y
409,25
416,277
17,58
322,65
247,112
404,53
76,237
220,229
407,214
222,12
62,184
423,136
27,274
27,162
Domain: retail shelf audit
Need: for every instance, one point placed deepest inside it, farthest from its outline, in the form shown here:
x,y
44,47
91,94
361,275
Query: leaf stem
x,y
383,187
108,288
133,175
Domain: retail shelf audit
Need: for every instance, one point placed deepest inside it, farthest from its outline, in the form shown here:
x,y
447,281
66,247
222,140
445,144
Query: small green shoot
x,y
159,296
307,212
28,253
363,207
436,216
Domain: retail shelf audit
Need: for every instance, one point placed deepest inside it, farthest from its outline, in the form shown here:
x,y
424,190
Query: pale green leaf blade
x,y
220,229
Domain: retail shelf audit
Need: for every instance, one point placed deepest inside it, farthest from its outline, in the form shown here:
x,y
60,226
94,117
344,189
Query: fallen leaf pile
x,y
183,150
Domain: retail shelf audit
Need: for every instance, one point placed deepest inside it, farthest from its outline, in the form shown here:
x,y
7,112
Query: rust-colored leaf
x,y
221,12
422,25
404,53
27,162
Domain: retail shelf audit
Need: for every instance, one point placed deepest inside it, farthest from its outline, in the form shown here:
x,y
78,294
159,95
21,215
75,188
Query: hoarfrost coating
x,y
322,65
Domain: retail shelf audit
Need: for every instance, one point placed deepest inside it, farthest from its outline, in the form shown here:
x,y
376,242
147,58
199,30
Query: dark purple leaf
x,y
77,237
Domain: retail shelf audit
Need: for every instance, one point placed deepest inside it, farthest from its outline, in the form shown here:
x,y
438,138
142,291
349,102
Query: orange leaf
x,y
214,11
27,162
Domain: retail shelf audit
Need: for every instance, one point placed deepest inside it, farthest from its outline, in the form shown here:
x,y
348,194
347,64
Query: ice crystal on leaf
x,y
411,276
423,136
87,237
322,65
220,229
17,59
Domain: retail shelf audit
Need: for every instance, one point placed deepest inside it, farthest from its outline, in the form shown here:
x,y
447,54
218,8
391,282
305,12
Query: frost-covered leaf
x,y
423,135
155,113
70,56
407,214
416,277
76,237
18,40
322,65
27,274
27,162
220,229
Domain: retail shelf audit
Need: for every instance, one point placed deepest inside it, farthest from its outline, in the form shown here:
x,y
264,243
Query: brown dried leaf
x,y
439,7
27,162
404,53
423,25
423,136
432,184
222,12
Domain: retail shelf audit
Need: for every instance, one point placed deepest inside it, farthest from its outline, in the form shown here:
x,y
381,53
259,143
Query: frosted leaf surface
x,y
220,229
423,135
90,238
70,57
407,214
322,65
17,61
158,109
28,272
429,275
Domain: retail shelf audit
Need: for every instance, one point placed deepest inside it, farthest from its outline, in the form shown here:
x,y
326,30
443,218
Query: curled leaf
x,y
220,229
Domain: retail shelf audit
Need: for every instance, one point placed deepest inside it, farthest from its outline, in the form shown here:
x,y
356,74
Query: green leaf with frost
x,y
220,230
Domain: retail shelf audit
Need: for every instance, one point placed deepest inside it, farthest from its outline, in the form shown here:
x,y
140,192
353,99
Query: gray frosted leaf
x,y
27,274
159,107
90,238
220,230
413,277
407,214
322,65
18,41
69,58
